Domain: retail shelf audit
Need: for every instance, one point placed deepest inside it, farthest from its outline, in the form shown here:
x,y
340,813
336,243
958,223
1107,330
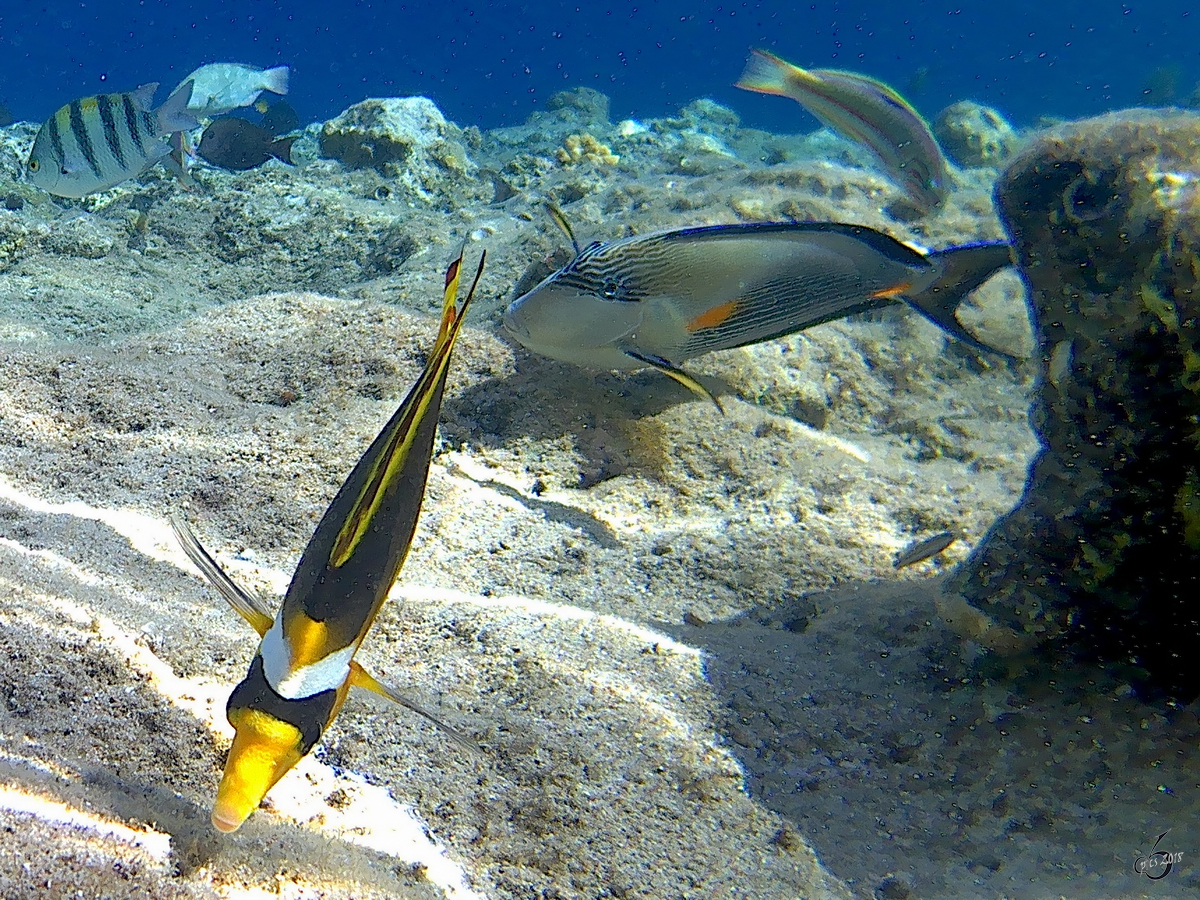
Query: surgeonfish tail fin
x,y
675,373
765,73
961,270
281,149
246,605
173,115
360,677
276,80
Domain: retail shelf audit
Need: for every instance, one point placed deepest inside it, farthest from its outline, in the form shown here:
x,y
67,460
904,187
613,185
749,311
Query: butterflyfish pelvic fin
x,y
361,678
564,226
675,373
245,604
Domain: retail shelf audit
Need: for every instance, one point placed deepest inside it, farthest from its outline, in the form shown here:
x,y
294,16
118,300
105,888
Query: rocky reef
x,y
1103,553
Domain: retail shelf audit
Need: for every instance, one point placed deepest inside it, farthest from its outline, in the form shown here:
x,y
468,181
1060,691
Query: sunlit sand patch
x,y
154,843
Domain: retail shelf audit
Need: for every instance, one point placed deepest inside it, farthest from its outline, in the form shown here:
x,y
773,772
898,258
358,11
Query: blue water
x,y
491,64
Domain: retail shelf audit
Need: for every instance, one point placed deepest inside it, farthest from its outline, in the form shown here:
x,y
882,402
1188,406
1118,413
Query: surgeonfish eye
x,y
610,289
34,165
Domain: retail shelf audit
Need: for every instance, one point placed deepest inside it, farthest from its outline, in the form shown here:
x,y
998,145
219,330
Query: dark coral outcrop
x,y
1102,555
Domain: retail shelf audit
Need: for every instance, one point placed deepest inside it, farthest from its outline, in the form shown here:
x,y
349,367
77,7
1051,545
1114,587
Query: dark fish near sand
x,y
923,550
280,118
865,111
6,116
659,299
239,145
93,143
305,664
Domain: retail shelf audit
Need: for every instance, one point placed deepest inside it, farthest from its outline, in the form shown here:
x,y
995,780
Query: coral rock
x,y
1103,552
974,135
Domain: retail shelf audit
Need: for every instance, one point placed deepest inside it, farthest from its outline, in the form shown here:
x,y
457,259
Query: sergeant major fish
x,y
219,88
96,142
305,663
659,299
865,111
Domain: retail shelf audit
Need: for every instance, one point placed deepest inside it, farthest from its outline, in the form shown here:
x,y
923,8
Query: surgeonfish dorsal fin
x,y
361,678
675,373
247,605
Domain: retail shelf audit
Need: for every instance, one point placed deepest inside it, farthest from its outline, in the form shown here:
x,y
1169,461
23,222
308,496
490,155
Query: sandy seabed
x,y
677,636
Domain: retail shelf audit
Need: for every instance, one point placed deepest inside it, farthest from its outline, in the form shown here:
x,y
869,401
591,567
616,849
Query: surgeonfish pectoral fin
x,y
962,270
564,226
677,374
246,605
361,678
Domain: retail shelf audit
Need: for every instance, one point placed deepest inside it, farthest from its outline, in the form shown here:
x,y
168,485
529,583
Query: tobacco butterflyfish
x,y
865,111
659,299
305,663
96,142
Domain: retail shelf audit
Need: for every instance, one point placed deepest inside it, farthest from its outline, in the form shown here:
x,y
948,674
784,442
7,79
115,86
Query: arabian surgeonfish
x,y
219,88
94,143
865,111
659,299
305,663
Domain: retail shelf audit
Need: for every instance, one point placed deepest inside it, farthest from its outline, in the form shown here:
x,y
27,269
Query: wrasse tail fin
x,y
361,678
963,269
245,604
677,374
564,226
766,73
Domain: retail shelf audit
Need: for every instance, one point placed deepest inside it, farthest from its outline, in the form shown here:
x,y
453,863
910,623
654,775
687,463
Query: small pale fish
x,y
660,299
923,550
305,664
222,87
238,145
96,142
865,111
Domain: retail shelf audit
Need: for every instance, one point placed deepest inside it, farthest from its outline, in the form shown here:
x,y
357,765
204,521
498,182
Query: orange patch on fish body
x,y
711,318
892,293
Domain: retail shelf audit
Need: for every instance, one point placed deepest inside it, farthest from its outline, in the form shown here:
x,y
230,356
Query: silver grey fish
x,y
922,550
659,299
93,143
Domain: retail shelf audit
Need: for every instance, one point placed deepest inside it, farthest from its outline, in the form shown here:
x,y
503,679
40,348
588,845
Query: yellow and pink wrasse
x,y
865,111
305,664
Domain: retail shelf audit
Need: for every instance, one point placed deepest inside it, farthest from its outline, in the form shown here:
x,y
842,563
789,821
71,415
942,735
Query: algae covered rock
x,y
403,137
974,135
1103,553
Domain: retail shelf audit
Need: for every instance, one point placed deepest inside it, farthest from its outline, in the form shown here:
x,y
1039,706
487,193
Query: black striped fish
x,y
659,299
305,662
96,142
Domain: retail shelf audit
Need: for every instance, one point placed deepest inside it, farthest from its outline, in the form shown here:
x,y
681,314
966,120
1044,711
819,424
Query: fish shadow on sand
x,y
89,729
859,716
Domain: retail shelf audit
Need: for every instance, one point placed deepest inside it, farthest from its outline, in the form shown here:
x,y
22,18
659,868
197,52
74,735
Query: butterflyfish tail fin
x,y
246,605
675,373
361,678
962,270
